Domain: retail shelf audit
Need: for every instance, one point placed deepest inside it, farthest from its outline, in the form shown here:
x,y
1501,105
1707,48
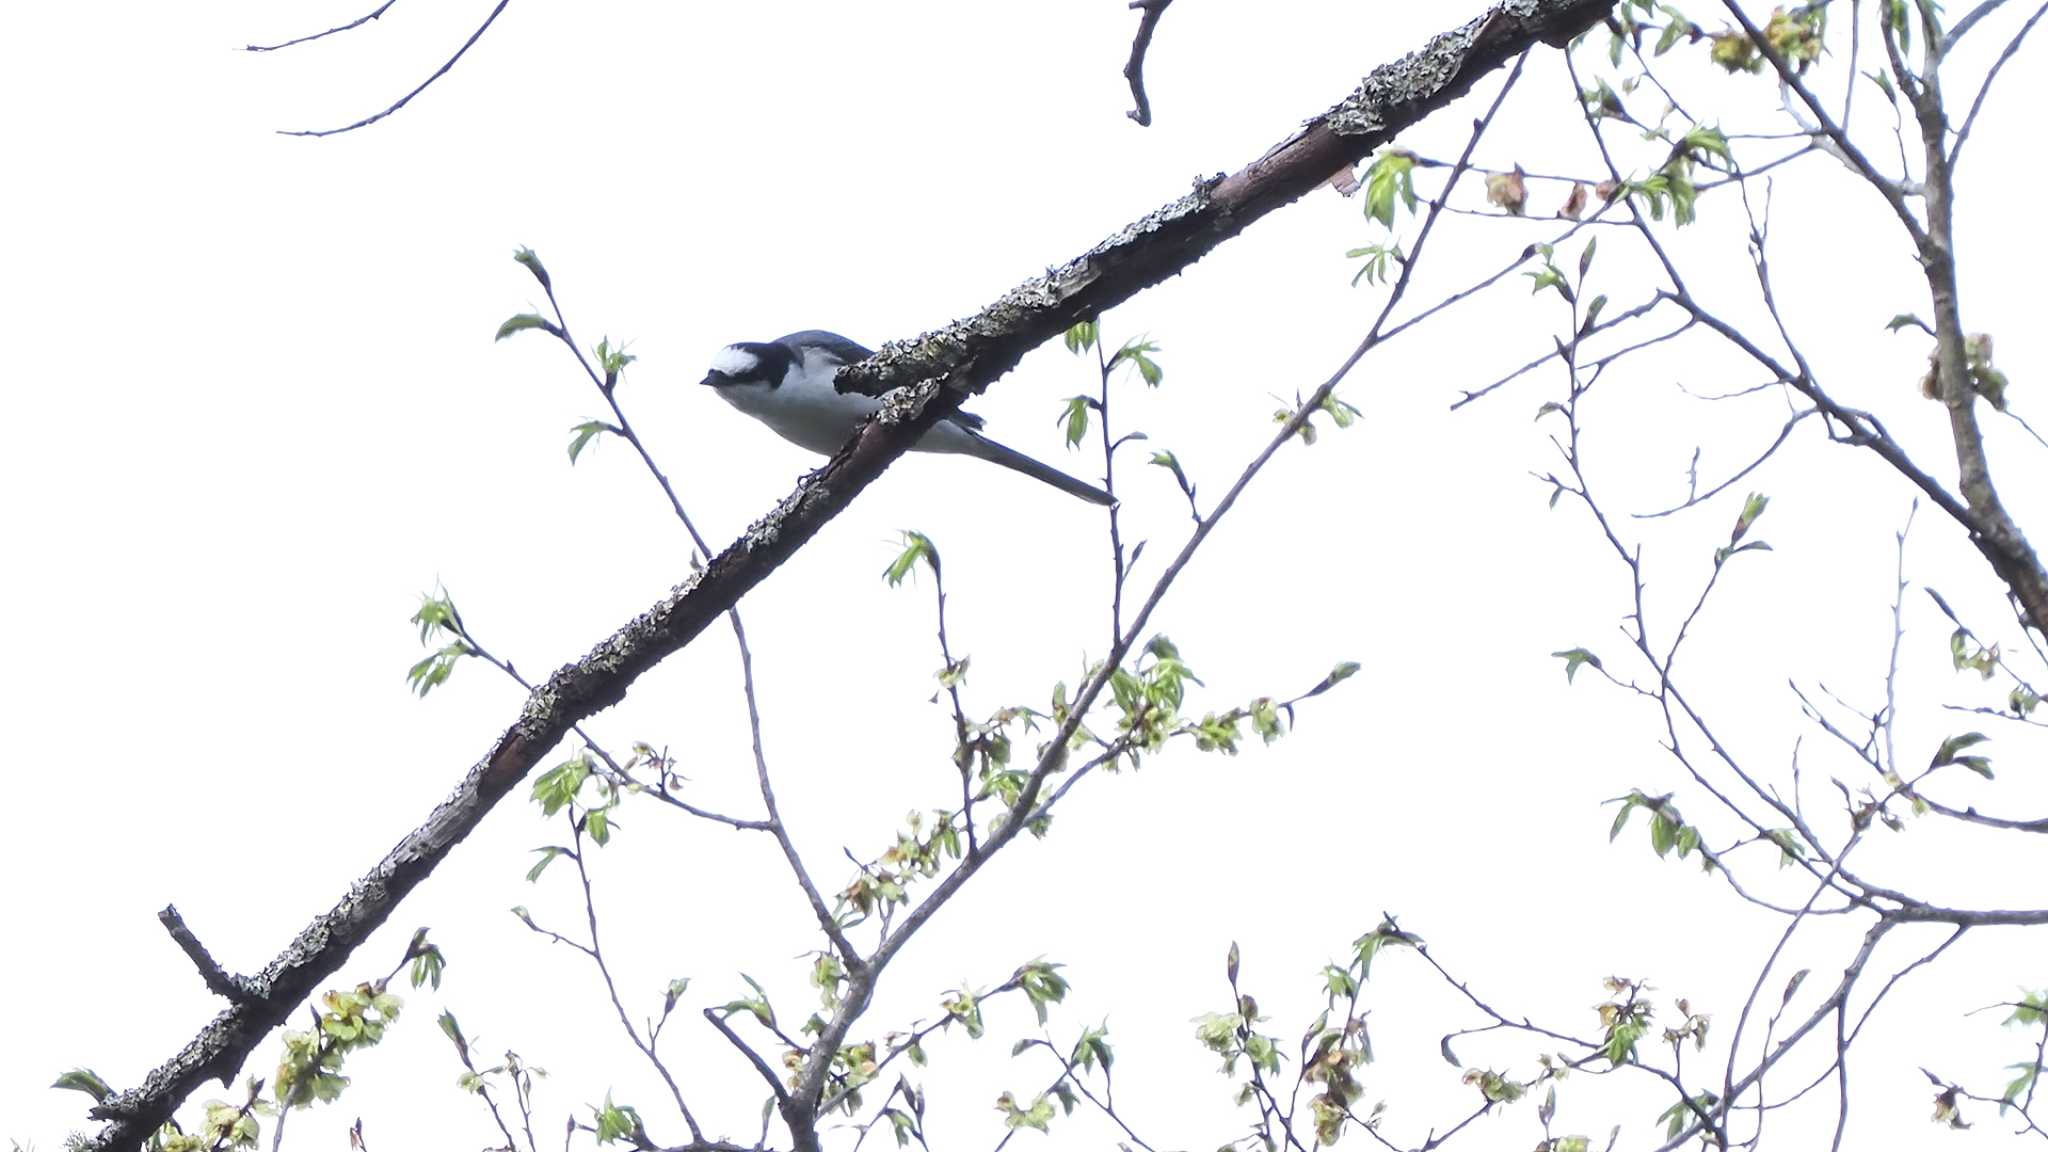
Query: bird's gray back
x,y
832,343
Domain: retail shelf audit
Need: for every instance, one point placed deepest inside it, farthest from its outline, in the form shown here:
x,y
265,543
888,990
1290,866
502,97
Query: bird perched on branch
x,y
791,385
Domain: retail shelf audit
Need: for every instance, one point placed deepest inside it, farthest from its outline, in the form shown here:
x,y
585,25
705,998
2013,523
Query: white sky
x,y
255,410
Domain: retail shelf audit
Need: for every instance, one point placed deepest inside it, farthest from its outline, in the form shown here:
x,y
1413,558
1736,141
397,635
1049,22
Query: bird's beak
x,y
712,379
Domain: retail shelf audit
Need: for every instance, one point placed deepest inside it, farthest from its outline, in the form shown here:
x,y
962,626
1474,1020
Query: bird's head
x,y
746,366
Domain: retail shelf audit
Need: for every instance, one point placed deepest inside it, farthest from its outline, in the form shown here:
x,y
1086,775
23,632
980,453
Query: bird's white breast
x,y
805,410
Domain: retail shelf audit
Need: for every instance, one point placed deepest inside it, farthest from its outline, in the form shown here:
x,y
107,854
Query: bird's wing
x,y
847,352
831,343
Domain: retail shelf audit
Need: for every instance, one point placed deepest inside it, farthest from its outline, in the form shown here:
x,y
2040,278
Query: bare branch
x,y
1134,68
402,101
760,1065
355,23
228,987
2012,48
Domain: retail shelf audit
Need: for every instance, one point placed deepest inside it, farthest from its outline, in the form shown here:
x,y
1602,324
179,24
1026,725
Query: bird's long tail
x,y
995,453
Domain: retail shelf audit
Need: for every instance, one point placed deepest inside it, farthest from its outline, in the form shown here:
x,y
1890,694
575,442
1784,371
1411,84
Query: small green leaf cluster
x,y
1342,414
1795,35
908,1125
1337,1043
1634,20
1989,382
1951,752
1624,1019
1037,1116
1965,650
917,547
917,854
853,1067
756,1005
1668,829
427,962
349,1020
2030,1011
1574,659
1744,521
1693,1026
1042,984
1683,1114
436,618
1147,696
221,1126
1235,1036
1389,183
563,787
1495,1087
1379,261
1137,353
477,1081
1390,179
1090,1053
617,1123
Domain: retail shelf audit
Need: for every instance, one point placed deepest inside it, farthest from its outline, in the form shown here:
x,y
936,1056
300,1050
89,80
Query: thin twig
x,y
355,23
402,101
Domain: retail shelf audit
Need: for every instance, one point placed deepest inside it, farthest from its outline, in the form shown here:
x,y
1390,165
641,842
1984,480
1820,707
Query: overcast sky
x,y
255,410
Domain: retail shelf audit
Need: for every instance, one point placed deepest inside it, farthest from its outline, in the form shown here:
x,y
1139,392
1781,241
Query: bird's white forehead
x,y
734,361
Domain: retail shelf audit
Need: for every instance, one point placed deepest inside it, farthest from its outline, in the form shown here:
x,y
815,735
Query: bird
x,y
791,385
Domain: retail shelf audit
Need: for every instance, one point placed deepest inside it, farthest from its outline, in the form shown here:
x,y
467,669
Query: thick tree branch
x,y
964,356
1994,532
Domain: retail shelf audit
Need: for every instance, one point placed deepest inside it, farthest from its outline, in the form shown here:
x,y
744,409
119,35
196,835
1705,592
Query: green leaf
x,y
1369,946
1950,753
2020,1085
584,434
1706,140
437,614
916,546
1081,337
1138,352
1170,462
1573,658
1628,806
1075,417
1752,509
1038,1116
521,323
525,256
612,360
1391,177
558,787
1042,985
673,993
1904,320
84,1080
1790,851
1548,277
616,1123
433,671
1663,834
